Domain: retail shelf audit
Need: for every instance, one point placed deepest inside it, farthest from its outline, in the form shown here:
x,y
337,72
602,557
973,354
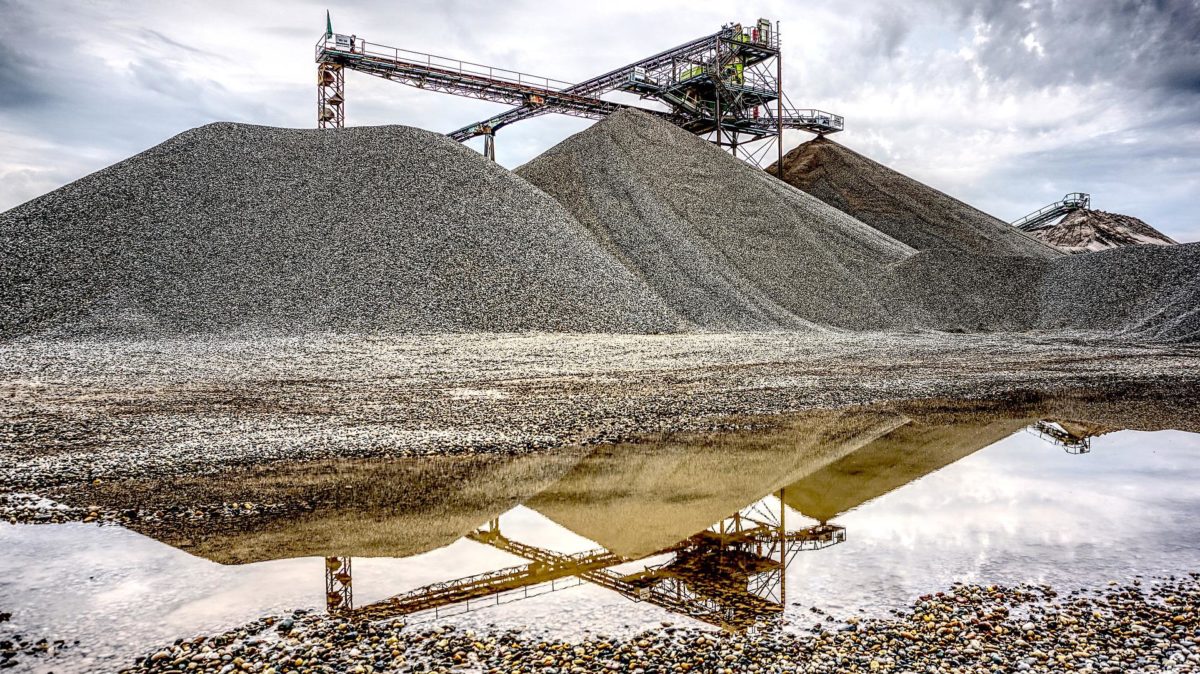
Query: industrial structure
x,y
1059,435
726,87
731,575
1072,202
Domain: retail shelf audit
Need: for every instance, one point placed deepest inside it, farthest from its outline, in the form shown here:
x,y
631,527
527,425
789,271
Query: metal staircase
x,y
1072,202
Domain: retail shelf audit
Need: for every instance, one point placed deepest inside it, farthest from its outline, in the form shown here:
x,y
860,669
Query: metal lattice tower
x,y
339,588
331,87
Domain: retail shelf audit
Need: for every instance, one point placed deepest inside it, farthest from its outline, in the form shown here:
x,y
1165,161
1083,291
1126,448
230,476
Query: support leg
x,y
489,146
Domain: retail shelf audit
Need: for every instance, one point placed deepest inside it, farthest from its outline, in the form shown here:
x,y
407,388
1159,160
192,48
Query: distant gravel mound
x,y
1145,292
1085,231
727,246
899,206
231,226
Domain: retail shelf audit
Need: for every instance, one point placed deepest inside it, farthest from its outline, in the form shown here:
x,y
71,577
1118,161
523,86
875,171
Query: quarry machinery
x,y
726,87
1072,202
731,575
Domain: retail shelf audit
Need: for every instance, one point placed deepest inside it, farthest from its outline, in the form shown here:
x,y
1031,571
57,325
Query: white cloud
x,y
987,101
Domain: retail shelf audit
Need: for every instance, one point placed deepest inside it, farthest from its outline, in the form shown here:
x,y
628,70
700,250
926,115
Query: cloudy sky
x,y
1007,105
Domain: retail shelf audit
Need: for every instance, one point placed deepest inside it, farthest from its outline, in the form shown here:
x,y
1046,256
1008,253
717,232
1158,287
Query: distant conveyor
x,y
1072,202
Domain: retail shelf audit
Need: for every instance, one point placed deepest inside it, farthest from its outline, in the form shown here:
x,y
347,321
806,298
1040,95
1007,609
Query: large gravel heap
x,y
642,228
1086,230
902,208
727,246
1148,293
233,226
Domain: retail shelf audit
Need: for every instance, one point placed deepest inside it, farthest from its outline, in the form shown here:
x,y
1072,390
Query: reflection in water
x,y
708,526
733,573
730,575
1074,438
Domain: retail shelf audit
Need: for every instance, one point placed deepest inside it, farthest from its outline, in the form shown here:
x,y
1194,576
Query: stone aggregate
x,y
289,231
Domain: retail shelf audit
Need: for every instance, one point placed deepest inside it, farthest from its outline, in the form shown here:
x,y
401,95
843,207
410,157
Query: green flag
x,y
328,25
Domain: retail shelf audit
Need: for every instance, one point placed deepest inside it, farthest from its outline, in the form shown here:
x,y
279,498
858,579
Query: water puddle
x,y
827,513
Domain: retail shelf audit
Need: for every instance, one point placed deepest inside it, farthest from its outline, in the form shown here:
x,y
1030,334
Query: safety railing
x,y
370,50
1073,201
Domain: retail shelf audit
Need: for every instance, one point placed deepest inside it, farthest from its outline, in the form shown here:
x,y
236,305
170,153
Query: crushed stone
x,y
233,226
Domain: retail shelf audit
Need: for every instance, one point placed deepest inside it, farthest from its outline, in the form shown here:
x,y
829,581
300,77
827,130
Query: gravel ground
x,y
725,245
901,207
288,231
76,411
1151,627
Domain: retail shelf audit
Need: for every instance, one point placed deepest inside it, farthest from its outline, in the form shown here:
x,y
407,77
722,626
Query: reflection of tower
x,y
734,574
339,593
1073,439
731,575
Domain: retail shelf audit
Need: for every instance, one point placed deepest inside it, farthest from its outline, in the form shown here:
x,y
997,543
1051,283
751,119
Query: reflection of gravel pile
x,y
727,246
899,206
384,228
1086,230
1146,292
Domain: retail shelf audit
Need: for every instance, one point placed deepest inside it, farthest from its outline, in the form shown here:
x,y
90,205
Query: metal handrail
x,y
1073,201
363,48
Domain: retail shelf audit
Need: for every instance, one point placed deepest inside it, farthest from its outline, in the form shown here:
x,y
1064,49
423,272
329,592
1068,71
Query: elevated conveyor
x,y
1072,202
726,85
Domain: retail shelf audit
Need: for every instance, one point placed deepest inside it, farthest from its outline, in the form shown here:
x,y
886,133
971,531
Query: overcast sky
x,y
1007,105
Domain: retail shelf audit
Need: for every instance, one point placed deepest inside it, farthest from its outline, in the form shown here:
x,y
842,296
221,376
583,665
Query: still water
x,y
844,513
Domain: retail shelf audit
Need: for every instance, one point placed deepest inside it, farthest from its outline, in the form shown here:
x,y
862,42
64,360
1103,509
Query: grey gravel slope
x,y
232,226
727,246
1149,293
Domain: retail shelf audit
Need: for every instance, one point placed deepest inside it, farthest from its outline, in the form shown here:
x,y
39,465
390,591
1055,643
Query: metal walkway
x,y
727,84
1072,202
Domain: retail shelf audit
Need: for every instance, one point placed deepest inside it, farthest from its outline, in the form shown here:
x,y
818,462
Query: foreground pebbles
x,y
970,628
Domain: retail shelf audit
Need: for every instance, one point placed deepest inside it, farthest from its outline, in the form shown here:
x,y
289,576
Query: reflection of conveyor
x,y
731,575
1073,438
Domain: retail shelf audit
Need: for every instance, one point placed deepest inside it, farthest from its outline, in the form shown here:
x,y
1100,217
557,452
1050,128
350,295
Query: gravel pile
x,y
965,292
725,245
1086,230
232,226
1149,293
902,208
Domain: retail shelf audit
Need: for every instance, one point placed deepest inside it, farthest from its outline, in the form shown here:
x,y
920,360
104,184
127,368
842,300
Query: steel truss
x,y
1071,202
731,575
726,86
339,592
